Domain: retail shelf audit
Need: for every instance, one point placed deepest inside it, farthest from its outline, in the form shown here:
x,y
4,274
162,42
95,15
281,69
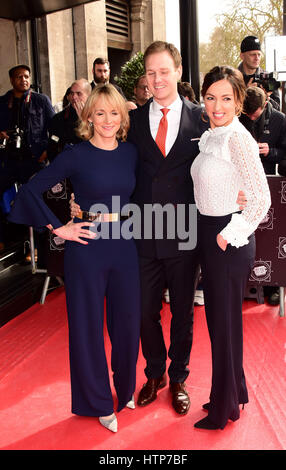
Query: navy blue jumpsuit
x,y
106,268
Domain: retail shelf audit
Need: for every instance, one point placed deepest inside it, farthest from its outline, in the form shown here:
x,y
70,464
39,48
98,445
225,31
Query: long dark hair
x,y
235,78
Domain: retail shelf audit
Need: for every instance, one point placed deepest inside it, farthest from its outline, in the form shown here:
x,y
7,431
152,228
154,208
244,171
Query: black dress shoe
x,y
148,393
274,299
180,398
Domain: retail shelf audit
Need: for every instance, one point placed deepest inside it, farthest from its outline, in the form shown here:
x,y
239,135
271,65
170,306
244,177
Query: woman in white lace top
x,y
228,162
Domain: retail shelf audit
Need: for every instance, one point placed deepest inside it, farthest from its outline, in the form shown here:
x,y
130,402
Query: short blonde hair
x,y
162,46
112,96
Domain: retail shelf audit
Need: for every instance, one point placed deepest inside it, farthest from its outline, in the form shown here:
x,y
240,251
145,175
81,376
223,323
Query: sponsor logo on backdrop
x,y
261,271
56,243
267,222
282,248
59,191
283,192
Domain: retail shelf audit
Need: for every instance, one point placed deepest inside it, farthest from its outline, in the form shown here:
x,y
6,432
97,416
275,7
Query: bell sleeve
x,y
29,207
245,156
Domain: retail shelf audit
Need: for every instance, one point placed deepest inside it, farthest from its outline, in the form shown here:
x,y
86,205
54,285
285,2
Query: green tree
x,y
130,71
256,17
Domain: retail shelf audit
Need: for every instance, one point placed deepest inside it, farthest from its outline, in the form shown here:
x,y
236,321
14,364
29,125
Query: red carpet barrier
x,y
270,263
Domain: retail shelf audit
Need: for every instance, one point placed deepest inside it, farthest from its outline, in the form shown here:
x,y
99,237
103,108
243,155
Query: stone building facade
x,y
61,46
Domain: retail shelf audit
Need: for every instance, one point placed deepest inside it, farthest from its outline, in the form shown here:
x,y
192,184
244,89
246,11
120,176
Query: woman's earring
x,y
90,123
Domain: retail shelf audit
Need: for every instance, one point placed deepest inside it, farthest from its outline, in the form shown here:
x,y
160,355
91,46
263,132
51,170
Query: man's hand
x,y
78,106
263,149
250,82
43,156
74,207
4,135
241,200
73,231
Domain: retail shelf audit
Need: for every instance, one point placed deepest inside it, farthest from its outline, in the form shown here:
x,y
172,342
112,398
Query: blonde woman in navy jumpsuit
x,y
98,266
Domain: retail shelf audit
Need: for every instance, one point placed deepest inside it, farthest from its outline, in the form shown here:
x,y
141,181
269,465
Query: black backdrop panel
x,y
270,261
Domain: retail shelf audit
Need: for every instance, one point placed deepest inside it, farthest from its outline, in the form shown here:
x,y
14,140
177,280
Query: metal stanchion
x,y
35,270
33,258
282,301
46,286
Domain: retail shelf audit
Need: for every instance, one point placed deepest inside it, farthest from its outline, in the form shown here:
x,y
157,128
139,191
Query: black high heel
x,y
206,406
206,423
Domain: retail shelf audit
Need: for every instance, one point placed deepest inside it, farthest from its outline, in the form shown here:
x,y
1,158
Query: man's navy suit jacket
x,y
163,180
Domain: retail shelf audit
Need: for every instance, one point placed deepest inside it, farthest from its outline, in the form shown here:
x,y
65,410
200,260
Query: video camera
x,y
267,81
16,139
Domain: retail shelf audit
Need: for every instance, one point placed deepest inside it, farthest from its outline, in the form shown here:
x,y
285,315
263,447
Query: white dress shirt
x,y
228,162
173,118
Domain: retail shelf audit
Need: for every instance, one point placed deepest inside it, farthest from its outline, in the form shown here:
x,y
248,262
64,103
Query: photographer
x,y
252,73
24,120
268,127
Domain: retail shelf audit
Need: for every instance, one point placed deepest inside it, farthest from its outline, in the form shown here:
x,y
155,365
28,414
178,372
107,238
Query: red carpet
x,y
35,390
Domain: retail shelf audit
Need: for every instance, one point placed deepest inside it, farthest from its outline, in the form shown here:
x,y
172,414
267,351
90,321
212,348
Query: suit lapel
x,y
184,147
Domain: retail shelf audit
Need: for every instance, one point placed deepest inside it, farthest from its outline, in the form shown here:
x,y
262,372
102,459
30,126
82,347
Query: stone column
x,y
148,23
60,53
8,52
90,36
43,48
138,8
158,20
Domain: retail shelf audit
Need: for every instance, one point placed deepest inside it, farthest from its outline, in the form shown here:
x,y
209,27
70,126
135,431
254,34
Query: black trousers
x,y
225,274
180,274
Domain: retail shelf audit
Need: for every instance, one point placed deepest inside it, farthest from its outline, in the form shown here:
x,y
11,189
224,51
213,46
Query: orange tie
x,y
162,131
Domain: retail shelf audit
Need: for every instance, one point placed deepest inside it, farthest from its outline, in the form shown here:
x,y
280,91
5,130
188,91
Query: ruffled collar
x,y
216,132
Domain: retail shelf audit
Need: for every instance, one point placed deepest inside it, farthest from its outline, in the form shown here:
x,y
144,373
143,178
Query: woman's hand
x,y
74,207
73,232
241,200
222,243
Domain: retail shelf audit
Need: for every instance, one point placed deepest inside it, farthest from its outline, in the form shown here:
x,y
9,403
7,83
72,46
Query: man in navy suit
x,y
165,179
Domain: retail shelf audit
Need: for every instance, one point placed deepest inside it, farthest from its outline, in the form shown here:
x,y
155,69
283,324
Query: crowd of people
x,y
165,149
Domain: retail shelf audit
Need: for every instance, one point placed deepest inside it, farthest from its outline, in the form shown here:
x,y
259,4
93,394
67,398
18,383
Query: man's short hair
x,y
84,83
16,67
136,83
185,89
161,46
254,98
101,61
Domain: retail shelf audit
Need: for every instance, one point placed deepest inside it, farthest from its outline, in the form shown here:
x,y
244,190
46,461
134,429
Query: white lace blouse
x,y
227,163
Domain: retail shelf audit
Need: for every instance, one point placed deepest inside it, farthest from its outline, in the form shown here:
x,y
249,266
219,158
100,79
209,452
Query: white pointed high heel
x,y
131,403
109,423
